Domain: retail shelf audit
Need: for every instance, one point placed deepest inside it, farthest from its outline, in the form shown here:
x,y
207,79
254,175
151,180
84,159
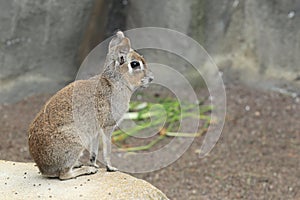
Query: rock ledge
x,y
23,181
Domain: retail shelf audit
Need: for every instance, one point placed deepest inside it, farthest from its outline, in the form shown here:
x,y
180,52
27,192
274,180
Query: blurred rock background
x,y
43,42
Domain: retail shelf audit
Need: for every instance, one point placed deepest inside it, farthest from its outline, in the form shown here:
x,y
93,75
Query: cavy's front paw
x,y
111,169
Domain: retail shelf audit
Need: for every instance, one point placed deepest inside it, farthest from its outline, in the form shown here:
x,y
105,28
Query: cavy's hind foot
x,y
73,173
94,165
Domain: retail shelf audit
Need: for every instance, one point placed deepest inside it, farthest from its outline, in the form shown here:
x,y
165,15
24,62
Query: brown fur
x,y
75,117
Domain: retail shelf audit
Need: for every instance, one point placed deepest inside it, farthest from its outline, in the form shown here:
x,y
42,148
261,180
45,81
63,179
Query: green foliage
x,y
167,112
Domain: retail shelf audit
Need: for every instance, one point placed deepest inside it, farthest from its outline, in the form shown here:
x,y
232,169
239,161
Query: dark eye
x,y
135,65
122,60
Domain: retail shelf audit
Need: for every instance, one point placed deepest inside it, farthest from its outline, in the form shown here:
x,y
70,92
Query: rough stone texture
x,y
173,14
251,40
22,181
259,39
275,33
39,40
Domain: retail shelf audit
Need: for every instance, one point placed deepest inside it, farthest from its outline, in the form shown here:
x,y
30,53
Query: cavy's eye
x,y
135,65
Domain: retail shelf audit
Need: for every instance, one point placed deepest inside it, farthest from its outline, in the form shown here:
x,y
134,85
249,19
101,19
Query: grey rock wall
x,y
173,14
43,42
274,29
39,41
251,40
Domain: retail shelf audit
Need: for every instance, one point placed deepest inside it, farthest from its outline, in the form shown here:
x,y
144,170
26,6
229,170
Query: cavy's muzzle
x,y
150,79
147,80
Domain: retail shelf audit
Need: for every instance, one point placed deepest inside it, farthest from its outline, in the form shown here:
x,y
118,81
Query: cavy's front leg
x,y
106,139
94,148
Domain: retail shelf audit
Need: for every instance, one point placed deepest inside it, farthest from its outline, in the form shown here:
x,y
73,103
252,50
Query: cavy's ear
x,y
119,44
118,49
116,39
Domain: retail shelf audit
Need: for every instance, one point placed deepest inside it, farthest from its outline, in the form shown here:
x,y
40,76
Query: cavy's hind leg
x,y
70,171
78,164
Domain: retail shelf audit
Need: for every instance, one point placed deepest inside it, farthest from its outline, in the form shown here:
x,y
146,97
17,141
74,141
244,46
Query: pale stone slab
x,y
23,181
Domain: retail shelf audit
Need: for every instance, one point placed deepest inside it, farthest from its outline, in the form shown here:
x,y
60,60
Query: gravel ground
x,y
257,156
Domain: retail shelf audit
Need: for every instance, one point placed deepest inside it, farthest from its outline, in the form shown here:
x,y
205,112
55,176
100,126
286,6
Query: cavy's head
x,y
126,63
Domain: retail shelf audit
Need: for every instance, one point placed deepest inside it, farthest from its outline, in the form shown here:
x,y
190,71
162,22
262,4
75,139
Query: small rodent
x,y
65,126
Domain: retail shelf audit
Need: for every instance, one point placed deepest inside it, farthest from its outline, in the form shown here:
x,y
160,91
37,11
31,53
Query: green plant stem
x,y
119,135
144,147
174,134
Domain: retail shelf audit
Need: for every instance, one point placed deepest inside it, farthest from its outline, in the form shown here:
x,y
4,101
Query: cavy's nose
x,y
151,78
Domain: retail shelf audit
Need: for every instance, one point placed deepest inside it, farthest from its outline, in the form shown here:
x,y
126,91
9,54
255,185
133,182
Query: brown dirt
x,y
257,156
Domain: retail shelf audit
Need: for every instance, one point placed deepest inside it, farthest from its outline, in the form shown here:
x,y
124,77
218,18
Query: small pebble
x,y
294,95
247,108
265,184
197,151
291,14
